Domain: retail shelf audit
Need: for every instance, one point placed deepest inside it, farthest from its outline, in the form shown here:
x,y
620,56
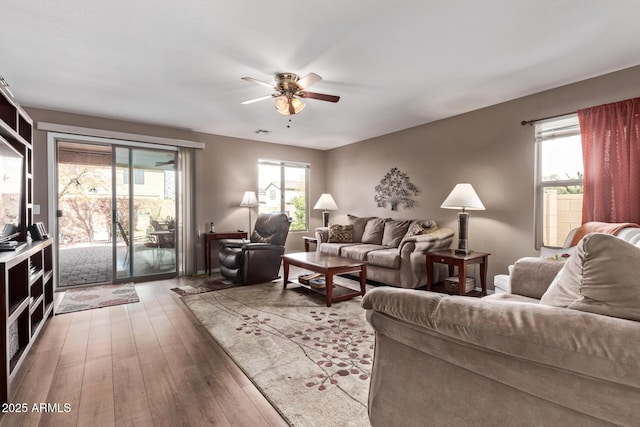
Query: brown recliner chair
x,y
259,259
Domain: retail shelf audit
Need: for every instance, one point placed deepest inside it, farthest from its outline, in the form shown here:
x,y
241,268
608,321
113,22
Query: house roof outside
x,y
395,64
288,185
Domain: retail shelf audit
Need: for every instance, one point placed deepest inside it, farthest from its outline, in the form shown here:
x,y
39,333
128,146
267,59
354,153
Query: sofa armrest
x,y
232,243
532,276
261,247
322,235
438,239
416,307
260,262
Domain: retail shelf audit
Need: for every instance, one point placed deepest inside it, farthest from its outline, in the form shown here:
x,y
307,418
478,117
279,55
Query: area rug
x,y
311,362
96,297
214,284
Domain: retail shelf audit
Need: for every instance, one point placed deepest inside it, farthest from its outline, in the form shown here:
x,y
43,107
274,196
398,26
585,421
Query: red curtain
x,y
611,151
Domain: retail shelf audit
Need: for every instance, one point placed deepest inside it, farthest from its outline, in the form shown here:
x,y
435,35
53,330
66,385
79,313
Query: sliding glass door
x,y
144,201
116,213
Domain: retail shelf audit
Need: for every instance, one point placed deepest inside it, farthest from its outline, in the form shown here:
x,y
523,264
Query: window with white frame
x,y
283,187
559,179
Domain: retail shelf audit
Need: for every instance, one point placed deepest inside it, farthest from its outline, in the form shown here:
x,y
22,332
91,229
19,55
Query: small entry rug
x,y
311,362
96,297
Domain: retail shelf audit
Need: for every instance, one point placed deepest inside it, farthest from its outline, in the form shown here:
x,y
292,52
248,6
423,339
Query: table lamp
x,y
464,197
326,203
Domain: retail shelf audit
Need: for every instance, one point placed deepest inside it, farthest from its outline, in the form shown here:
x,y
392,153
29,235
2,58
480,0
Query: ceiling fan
x,y
168,162
289,88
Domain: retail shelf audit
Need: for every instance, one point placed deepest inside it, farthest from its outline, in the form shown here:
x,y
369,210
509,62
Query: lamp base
x,y
325,218
462,251
463,228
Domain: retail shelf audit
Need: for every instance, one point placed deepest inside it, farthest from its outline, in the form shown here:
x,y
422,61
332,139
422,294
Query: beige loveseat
x,y
393,249
561,350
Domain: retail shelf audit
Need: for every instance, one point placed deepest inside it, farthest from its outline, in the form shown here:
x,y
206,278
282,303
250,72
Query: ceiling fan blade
x,y
258,82
320,96
308,80
168,162
251,101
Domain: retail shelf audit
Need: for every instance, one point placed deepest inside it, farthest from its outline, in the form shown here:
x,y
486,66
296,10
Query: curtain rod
x,y
533,121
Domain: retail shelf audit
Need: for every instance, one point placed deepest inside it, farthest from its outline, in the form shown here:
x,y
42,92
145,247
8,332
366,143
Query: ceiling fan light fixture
x,y
282,104
297,105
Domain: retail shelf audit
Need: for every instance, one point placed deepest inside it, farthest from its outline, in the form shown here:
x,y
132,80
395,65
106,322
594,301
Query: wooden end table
x,y
307,241
209,237
452,259
330,266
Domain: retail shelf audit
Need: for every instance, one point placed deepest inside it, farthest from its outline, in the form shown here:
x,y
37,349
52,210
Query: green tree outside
x,y
299,220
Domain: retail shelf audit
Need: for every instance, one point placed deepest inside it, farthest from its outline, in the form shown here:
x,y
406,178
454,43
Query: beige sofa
x,y
393,249
562,349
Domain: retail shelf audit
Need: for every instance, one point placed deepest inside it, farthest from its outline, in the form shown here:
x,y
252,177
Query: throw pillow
x,y
418,227
340,233
600,277
414,229
393,233
358,226
373,231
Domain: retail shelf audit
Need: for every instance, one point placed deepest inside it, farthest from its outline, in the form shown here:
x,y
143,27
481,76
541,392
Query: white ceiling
x,y
395,64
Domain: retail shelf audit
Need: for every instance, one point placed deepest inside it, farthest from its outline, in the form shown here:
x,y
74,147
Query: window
x,y
138,176
558,179
283,187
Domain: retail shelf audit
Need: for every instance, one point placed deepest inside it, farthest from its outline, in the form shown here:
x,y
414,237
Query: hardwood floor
x,y
145,364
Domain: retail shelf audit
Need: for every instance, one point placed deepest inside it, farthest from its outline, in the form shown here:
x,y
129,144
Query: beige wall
x,y
224,170
488,148
229,166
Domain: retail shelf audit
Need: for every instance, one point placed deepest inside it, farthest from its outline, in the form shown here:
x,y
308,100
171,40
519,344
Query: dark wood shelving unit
x,y
26,274
27,300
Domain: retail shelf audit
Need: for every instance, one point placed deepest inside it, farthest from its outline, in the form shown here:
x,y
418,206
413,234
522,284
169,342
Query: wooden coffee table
x,y
330,266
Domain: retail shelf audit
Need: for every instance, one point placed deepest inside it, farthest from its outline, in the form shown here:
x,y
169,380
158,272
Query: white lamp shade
x,y
249,199
463,196
326,203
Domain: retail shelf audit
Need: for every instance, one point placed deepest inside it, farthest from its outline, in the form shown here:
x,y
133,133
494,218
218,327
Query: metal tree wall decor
x,y
396,189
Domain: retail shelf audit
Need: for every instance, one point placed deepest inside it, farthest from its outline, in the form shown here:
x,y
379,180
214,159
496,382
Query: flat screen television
x,y
11,191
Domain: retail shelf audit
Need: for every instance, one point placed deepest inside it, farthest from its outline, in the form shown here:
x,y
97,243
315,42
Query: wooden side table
x,y
308,240
450,258
208,237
